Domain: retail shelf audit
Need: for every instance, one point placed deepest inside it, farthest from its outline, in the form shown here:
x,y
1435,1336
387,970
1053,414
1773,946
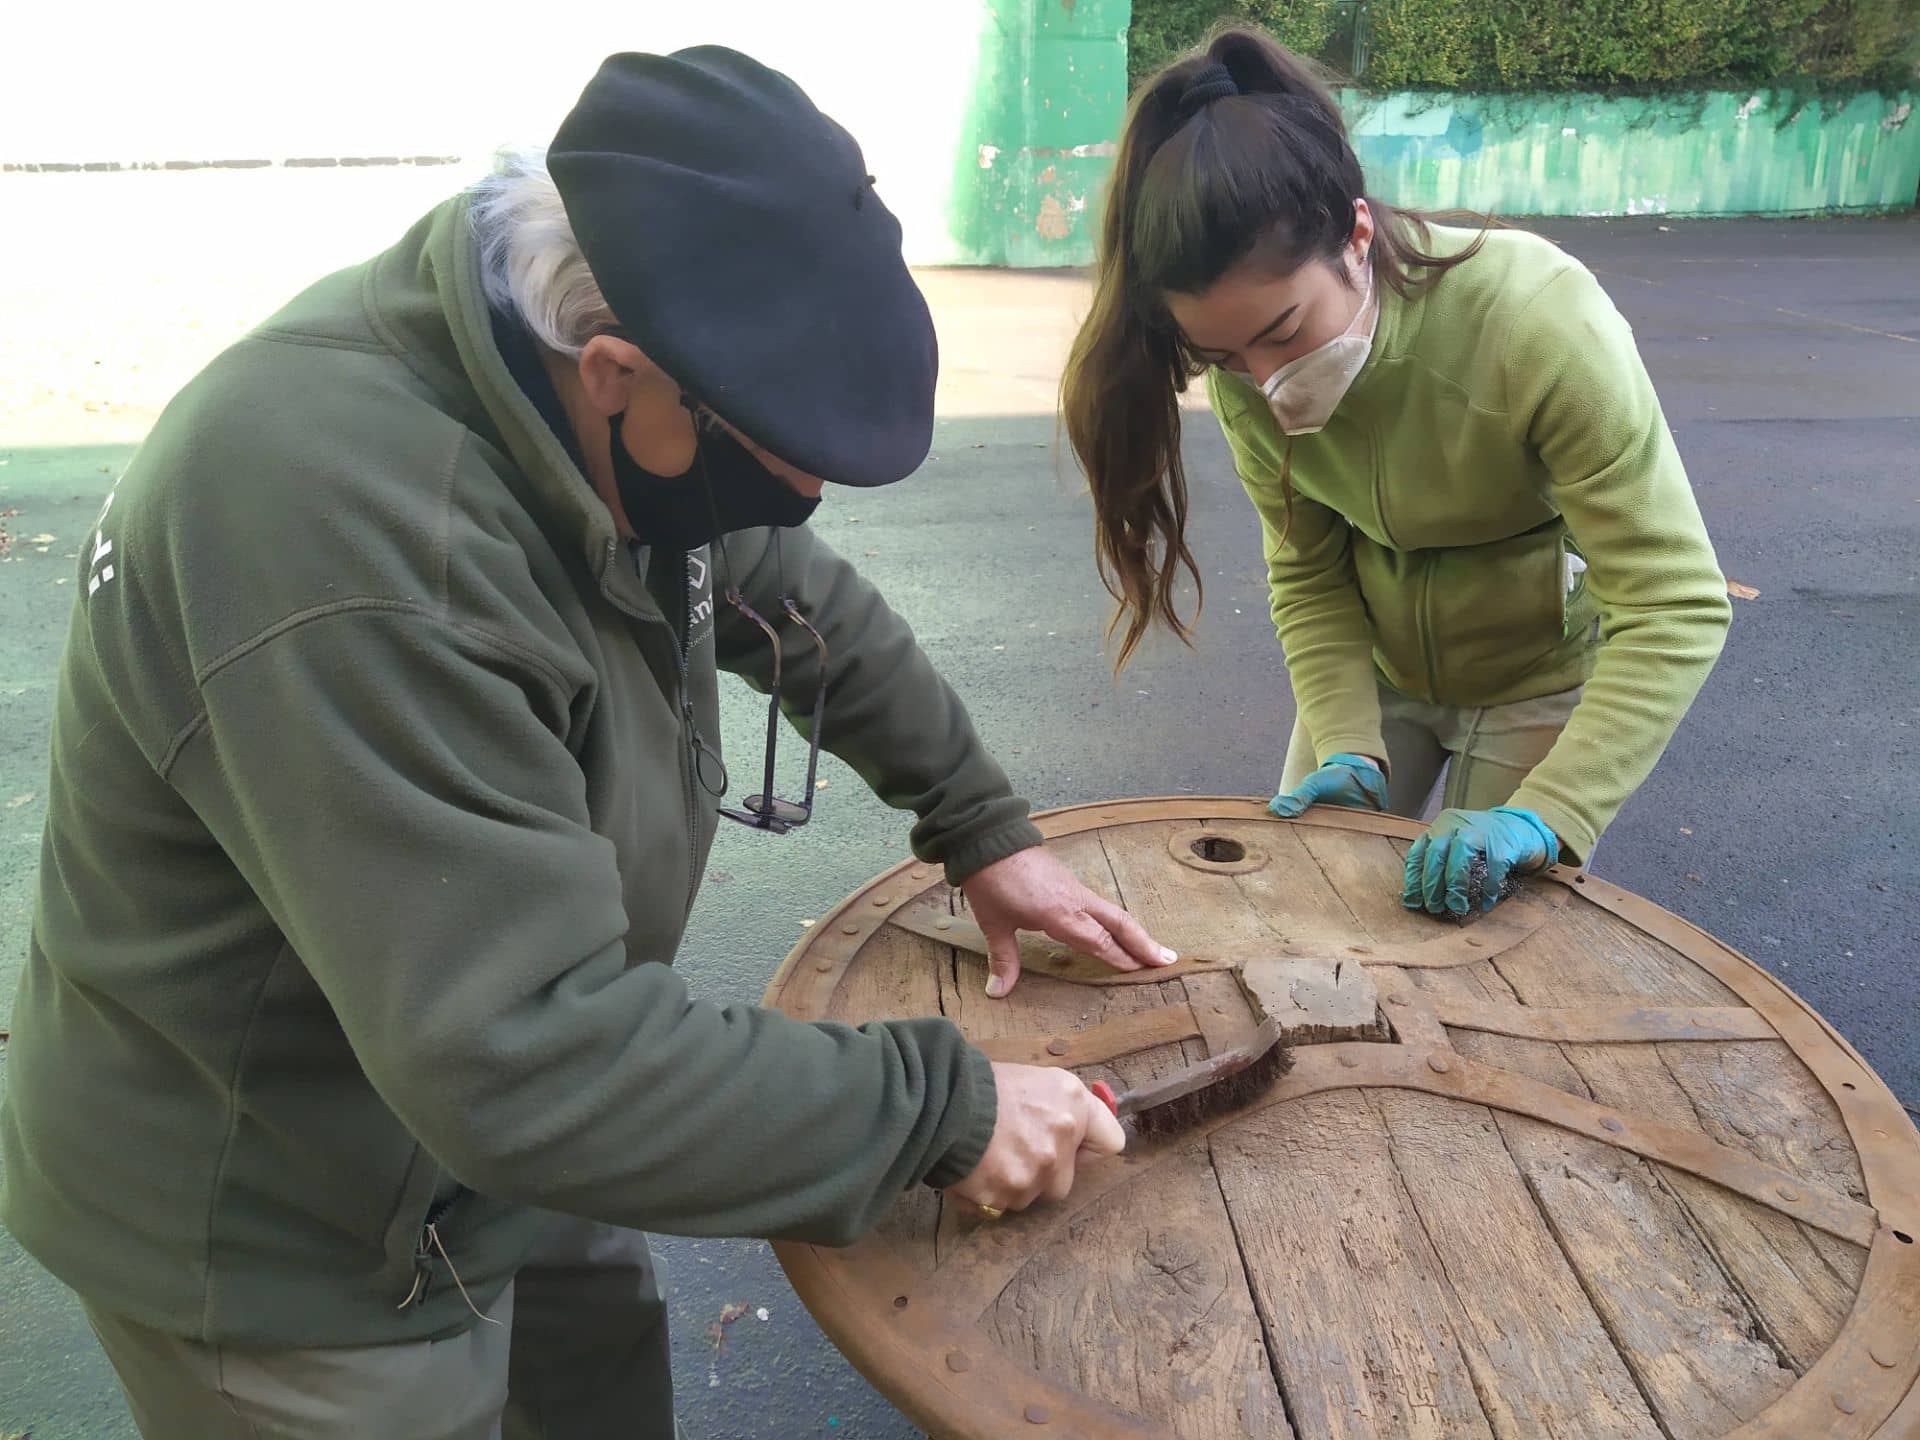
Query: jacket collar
x,y
426,299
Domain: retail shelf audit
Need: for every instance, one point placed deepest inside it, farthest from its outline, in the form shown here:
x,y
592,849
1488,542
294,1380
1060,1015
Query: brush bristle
x,y
1228,1093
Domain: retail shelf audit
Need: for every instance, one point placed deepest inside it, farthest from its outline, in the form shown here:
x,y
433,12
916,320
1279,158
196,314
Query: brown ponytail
x,y
1235,153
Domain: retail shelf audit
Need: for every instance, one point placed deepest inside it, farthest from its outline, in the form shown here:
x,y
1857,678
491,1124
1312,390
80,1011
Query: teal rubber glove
x,y
1348,780
1469,858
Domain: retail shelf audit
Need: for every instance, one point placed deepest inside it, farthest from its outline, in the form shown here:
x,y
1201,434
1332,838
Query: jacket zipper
x,y
689,731
429,1241
1426,626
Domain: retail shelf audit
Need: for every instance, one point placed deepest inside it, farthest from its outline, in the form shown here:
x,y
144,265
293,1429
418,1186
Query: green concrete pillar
x,y
1049,94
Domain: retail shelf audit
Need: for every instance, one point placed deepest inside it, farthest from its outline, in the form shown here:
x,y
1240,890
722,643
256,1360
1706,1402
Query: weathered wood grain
x,y
1147,1306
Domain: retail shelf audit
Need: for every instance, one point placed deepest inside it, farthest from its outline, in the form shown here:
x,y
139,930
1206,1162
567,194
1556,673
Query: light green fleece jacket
x,y
1503,419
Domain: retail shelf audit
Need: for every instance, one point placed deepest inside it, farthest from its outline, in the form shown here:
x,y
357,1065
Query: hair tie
x,y
1212,83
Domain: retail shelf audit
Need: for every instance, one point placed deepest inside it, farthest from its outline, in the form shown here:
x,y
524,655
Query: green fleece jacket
x,y
374,829
1502,421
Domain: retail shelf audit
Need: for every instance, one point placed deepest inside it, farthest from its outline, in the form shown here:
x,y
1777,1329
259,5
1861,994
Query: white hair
x,y
530,262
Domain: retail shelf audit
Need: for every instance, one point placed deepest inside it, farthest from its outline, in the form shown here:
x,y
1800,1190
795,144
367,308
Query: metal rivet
x,y
1474,943
943,923
881,901
1439,1064
1396,999
1612,1124
823,965
1037,1414
849,929
1786,1192
1352,1062
1883,1356
1057,1047
916,874
959,1361
1844,1404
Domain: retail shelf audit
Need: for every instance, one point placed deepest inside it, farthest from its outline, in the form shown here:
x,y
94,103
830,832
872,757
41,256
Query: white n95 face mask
x,y
1304,392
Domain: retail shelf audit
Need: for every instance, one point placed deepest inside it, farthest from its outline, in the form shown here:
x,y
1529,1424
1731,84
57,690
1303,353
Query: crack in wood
x,y
1759,1327
1267,1340
1547,1218
1484,1395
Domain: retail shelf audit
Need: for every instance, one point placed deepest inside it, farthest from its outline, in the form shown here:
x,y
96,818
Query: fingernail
x,y
996,986
1167,957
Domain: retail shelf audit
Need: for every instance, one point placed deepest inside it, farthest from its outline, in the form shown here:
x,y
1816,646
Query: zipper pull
x,y
422,1277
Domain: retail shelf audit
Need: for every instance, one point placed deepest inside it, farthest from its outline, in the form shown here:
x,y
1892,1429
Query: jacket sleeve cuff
x,y
1577,838
975,848
1353,742
980,1100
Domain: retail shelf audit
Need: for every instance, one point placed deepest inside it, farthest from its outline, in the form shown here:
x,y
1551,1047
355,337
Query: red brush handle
x,y
1104,1093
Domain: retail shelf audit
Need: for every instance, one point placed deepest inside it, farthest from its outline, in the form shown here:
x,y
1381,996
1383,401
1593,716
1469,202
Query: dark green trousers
x,y
577,1351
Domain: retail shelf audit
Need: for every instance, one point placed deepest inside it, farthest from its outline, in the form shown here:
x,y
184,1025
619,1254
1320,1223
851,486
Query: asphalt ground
x,y
1785,818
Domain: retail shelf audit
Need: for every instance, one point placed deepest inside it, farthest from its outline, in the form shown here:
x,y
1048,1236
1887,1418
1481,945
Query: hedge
x,y
1537,45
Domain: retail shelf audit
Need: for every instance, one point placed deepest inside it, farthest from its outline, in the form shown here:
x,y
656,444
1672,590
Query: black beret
x,y
736,235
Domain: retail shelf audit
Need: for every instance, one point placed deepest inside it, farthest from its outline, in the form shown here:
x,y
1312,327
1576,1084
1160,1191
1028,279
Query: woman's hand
x,y
1352,781
1030,890
1467,858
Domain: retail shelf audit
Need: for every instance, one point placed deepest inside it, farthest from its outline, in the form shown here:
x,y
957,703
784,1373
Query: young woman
x,y
1482,550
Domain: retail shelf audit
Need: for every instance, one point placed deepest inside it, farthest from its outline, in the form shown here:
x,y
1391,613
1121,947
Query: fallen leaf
x,y
19,800
1742,592
732,1311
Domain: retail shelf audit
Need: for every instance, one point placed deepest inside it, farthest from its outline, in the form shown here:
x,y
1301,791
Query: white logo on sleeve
x,y
100,566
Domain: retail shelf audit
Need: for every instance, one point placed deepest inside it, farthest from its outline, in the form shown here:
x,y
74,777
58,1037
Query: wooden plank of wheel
x,y
1588,1173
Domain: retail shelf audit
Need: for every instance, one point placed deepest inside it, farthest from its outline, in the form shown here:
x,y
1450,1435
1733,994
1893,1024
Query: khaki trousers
x,y
579,1353
1485,752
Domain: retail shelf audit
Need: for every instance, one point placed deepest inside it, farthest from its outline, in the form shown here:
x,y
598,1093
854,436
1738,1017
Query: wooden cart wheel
x,y
1605,1178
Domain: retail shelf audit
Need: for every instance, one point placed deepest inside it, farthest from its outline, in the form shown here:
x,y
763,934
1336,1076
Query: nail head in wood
x,y
1350,1062
1612,1124
1057,1047
943,923
1844,1404
959,1361
1786,1192
823,965
1037,1414
1883,1356
1439,1064
882,901
849,929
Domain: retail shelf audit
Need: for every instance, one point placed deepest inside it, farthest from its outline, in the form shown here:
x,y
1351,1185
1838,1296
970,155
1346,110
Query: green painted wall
x,y
1049,93
1711,154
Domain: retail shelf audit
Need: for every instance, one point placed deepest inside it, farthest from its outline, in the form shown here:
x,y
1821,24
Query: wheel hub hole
x,y
1219,850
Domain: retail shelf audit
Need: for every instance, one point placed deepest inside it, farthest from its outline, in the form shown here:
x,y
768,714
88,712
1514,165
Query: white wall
x,y
221,80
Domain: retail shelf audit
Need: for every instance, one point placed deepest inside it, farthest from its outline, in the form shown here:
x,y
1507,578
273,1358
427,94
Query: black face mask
x,y
726,490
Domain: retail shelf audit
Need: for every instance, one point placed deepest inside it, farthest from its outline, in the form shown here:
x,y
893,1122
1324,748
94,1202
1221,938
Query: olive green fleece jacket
x,y
374,829
1502,419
